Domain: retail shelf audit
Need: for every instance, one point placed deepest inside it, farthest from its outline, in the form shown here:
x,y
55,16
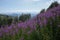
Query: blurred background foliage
x,y
7,20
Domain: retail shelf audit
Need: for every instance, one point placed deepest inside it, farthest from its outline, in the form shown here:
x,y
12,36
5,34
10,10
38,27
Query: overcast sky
x,y
24,5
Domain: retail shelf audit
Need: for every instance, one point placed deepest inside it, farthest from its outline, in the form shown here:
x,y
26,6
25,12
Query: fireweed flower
x,y
48,15
12,32
6,30
1,34
19,25
13,26
2,29
40,19
10,27
45,21
16,30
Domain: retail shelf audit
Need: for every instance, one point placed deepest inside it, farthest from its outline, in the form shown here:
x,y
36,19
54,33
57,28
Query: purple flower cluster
x,y
41,19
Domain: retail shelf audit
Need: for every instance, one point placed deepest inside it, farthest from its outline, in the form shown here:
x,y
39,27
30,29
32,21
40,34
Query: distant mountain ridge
x,y
18,14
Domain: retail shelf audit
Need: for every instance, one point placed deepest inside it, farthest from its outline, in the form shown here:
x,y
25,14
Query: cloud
x,y
24,11
58,1
31,0
50,1
36,0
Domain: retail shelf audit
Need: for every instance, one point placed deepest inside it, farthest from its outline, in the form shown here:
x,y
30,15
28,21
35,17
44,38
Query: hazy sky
x,y
24,5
